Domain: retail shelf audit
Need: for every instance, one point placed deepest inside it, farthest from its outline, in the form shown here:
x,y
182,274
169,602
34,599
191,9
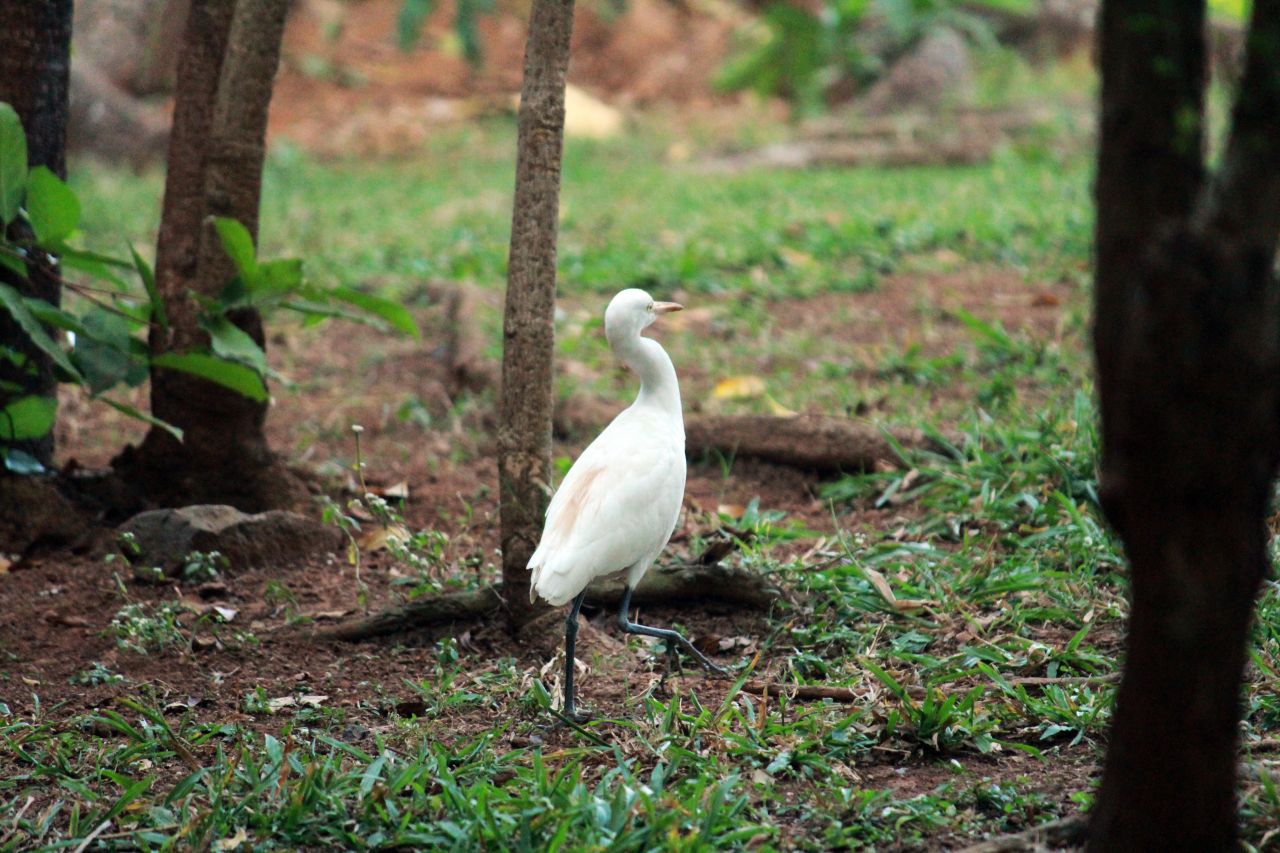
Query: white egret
x,y
619,503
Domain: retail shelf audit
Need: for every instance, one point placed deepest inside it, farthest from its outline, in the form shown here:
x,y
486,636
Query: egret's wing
x,y
618,505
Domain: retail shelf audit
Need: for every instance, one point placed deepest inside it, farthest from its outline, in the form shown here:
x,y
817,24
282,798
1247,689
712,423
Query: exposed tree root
x,y
668,585
692,582
817,442
814,442
423,612
1069,832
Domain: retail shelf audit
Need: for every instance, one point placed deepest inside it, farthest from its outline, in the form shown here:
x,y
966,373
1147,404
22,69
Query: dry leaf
x,y
378,538
233,842
203,644
282,702
738,387
776,408
397,491
328,615
794,257
66,620
886,592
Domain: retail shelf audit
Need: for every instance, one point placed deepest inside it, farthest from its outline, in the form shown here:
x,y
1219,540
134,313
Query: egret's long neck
x,y
658,384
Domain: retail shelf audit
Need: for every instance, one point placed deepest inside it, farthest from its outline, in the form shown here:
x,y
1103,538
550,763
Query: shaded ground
x,y
437,444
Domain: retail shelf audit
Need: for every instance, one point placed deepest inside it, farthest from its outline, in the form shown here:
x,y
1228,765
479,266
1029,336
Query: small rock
x,y
166,536
936,71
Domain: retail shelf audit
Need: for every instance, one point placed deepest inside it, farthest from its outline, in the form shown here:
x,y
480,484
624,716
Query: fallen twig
x,y
800,691
1066,832
1034,680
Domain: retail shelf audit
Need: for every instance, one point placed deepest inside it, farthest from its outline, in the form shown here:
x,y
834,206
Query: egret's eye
x,y
650,307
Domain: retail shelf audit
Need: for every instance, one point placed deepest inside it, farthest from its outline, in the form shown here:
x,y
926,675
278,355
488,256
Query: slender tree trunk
x,y
524,434
216,154
1186,325
35,49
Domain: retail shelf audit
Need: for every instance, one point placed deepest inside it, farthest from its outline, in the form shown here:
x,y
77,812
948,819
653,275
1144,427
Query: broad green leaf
x,y
103,350
13,163
13,263
237,377
21,462
148,277
272,281
231,342
316,311
86,256
126,409
281,275
13,301
393,312
52,207
27,417
237,243
101,267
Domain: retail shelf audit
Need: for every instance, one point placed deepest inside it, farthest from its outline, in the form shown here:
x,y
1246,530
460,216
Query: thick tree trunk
x,y
524,432
1189,380
35,46
216,157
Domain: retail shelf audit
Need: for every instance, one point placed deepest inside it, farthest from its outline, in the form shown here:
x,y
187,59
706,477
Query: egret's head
x,y
632,310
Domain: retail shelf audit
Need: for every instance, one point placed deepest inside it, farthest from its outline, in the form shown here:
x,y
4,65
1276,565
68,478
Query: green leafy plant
x,y
802,55
97,340
466,17
144,628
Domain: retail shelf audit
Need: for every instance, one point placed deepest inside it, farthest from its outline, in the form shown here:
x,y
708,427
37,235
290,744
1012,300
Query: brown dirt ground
x,y
59,604
346,88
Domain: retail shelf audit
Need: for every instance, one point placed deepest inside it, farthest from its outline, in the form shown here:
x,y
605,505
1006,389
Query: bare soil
x,y
346,87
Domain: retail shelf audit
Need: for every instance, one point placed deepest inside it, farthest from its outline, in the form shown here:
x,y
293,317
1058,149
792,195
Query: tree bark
x,y
35,46
216,154
524,432
1186,324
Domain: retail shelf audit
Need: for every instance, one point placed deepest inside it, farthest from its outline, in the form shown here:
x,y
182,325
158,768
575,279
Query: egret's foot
x,y
576,715
717,671
674,664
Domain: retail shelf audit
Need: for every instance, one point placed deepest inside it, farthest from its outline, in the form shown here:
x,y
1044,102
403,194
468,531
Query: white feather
x,y
620,501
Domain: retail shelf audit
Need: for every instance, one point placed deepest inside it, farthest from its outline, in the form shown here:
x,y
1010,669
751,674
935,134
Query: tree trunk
x,y
1189,380
216,156
35,46
524,432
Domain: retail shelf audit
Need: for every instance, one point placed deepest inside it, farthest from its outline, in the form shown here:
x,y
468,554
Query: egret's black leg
x,y
570,639
672,637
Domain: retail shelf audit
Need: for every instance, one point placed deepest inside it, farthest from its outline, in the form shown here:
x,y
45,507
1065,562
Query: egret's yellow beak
x,y
666,307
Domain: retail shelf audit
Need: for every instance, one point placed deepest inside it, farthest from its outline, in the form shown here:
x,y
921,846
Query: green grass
x,y
631,219
998,535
